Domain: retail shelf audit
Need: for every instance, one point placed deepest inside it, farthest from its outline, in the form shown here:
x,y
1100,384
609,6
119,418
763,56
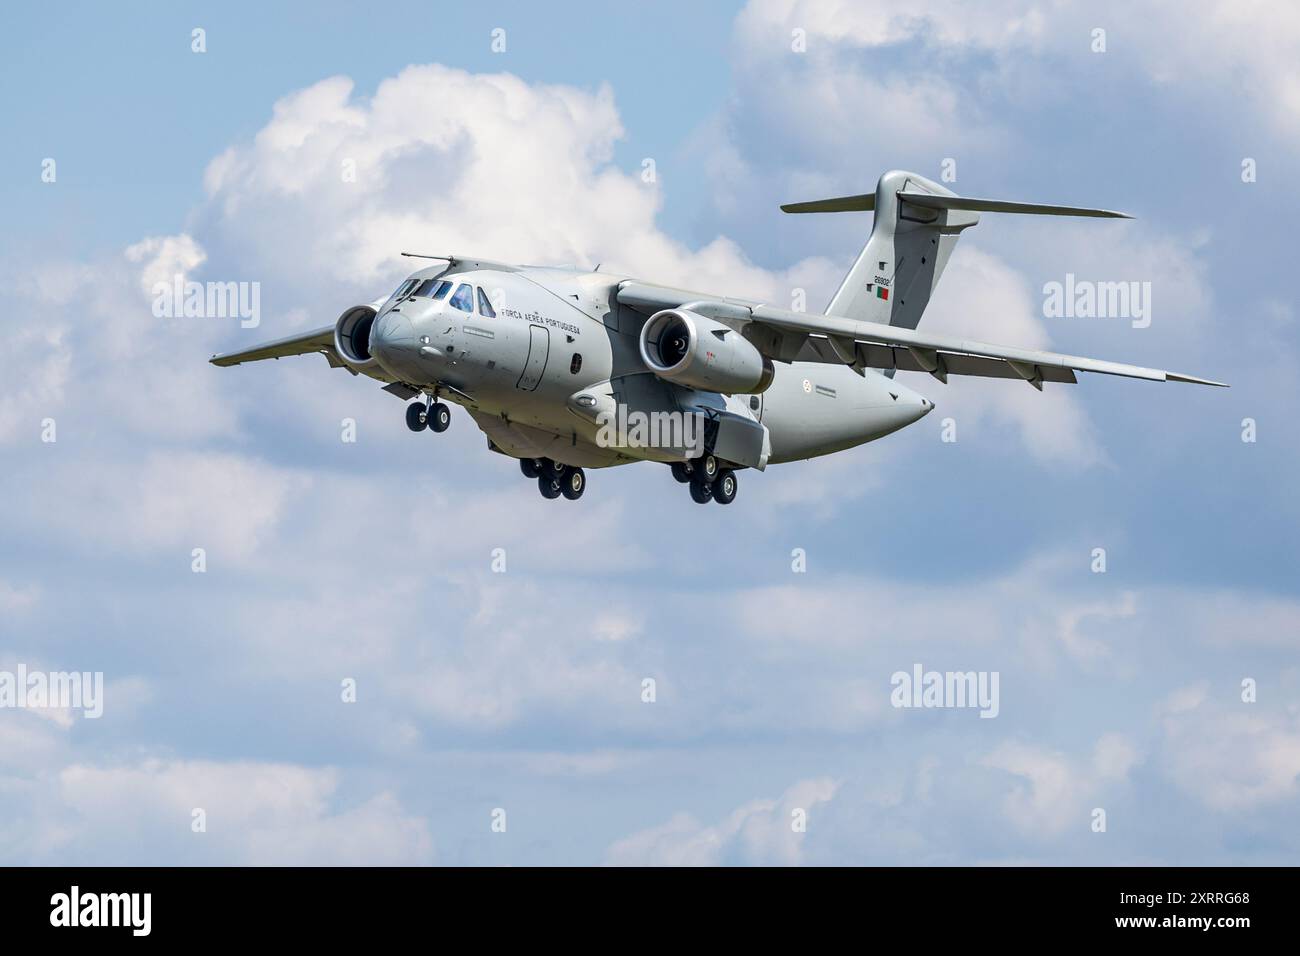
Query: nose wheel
x,y
436,417
439,417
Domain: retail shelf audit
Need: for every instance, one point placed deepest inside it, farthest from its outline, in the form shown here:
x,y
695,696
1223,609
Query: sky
x,y
395,652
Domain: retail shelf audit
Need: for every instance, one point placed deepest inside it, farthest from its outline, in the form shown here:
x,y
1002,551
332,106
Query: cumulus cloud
x,y
255,814
1231,755
765,831
1052,792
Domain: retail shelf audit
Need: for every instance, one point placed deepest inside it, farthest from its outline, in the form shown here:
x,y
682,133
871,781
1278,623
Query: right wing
x,y
801,336
320,340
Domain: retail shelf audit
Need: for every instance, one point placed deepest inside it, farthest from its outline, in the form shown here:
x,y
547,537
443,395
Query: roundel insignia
x,y
807,385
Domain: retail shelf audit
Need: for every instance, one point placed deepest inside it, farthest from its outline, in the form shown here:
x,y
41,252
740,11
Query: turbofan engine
x,y
698,352
352,335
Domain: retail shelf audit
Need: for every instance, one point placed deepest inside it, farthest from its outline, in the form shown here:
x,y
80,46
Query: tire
x,y
549,486
701,493
415,417
529,467
682,471
708,467
573,484
725,487
439,417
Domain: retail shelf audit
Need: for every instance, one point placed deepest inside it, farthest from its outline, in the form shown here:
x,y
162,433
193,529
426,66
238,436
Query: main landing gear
x,y
555,479
435,416
708,480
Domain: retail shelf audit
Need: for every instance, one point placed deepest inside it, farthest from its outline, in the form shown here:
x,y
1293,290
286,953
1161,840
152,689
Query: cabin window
x,y
485,307
575,364
753,402
464,298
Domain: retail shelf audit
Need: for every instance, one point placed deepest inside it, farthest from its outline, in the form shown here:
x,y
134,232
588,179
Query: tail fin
x,y
917,224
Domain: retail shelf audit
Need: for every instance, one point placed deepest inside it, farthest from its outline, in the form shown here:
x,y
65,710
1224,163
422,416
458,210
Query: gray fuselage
x,y
560,347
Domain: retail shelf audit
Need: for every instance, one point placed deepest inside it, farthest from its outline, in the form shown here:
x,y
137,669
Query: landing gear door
x,y
539,347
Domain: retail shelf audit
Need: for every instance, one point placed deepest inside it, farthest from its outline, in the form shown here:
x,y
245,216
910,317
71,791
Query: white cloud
x,y
1233,756
759,832
256,814
1054,792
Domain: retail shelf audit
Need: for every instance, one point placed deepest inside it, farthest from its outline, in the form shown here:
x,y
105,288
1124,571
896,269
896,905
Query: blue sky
x,y
522,690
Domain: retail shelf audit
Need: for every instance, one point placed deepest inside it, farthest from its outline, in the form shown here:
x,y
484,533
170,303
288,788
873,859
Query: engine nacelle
x,y
692,350
352,335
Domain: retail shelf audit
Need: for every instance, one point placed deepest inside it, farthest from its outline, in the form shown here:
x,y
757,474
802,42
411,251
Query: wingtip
x,y
1193,380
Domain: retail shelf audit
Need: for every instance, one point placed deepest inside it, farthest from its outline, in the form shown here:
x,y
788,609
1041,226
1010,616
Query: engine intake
x,y
352,335
693,350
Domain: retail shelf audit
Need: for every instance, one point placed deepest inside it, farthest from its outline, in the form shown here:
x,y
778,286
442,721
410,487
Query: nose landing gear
x,y
435,416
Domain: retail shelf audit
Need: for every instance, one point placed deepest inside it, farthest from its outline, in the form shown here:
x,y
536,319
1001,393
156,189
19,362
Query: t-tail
x,y
917,224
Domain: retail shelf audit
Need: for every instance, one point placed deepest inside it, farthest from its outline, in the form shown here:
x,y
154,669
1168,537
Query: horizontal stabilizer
x,y
867,202
864,203
930,201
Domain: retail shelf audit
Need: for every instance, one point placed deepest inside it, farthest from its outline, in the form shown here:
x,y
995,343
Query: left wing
x,y
788,336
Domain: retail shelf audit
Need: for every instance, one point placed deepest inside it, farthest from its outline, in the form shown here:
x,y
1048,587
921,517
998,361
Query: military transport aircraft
x,y
566,369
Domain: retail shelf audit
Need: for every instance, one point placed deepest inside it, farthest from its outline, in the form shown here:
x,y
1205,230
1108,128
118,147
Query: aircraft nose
x,y
392,341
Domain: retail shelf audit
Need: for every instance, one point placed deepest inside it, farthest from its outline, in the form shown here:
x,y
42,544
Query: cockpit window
x,y
404,288
464,298
485,307
425,288
442,290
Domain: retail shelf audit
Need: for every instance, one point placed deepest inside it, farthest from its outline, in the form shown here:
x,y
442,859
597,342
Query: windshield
x,y
403,289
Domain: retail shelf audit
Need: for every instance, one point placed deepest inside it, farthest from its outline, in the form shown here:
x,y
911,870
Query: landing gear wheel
x,y
574,484
415,420
701,493
682,471
708,467
549,485
439,417
529,467
724,489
